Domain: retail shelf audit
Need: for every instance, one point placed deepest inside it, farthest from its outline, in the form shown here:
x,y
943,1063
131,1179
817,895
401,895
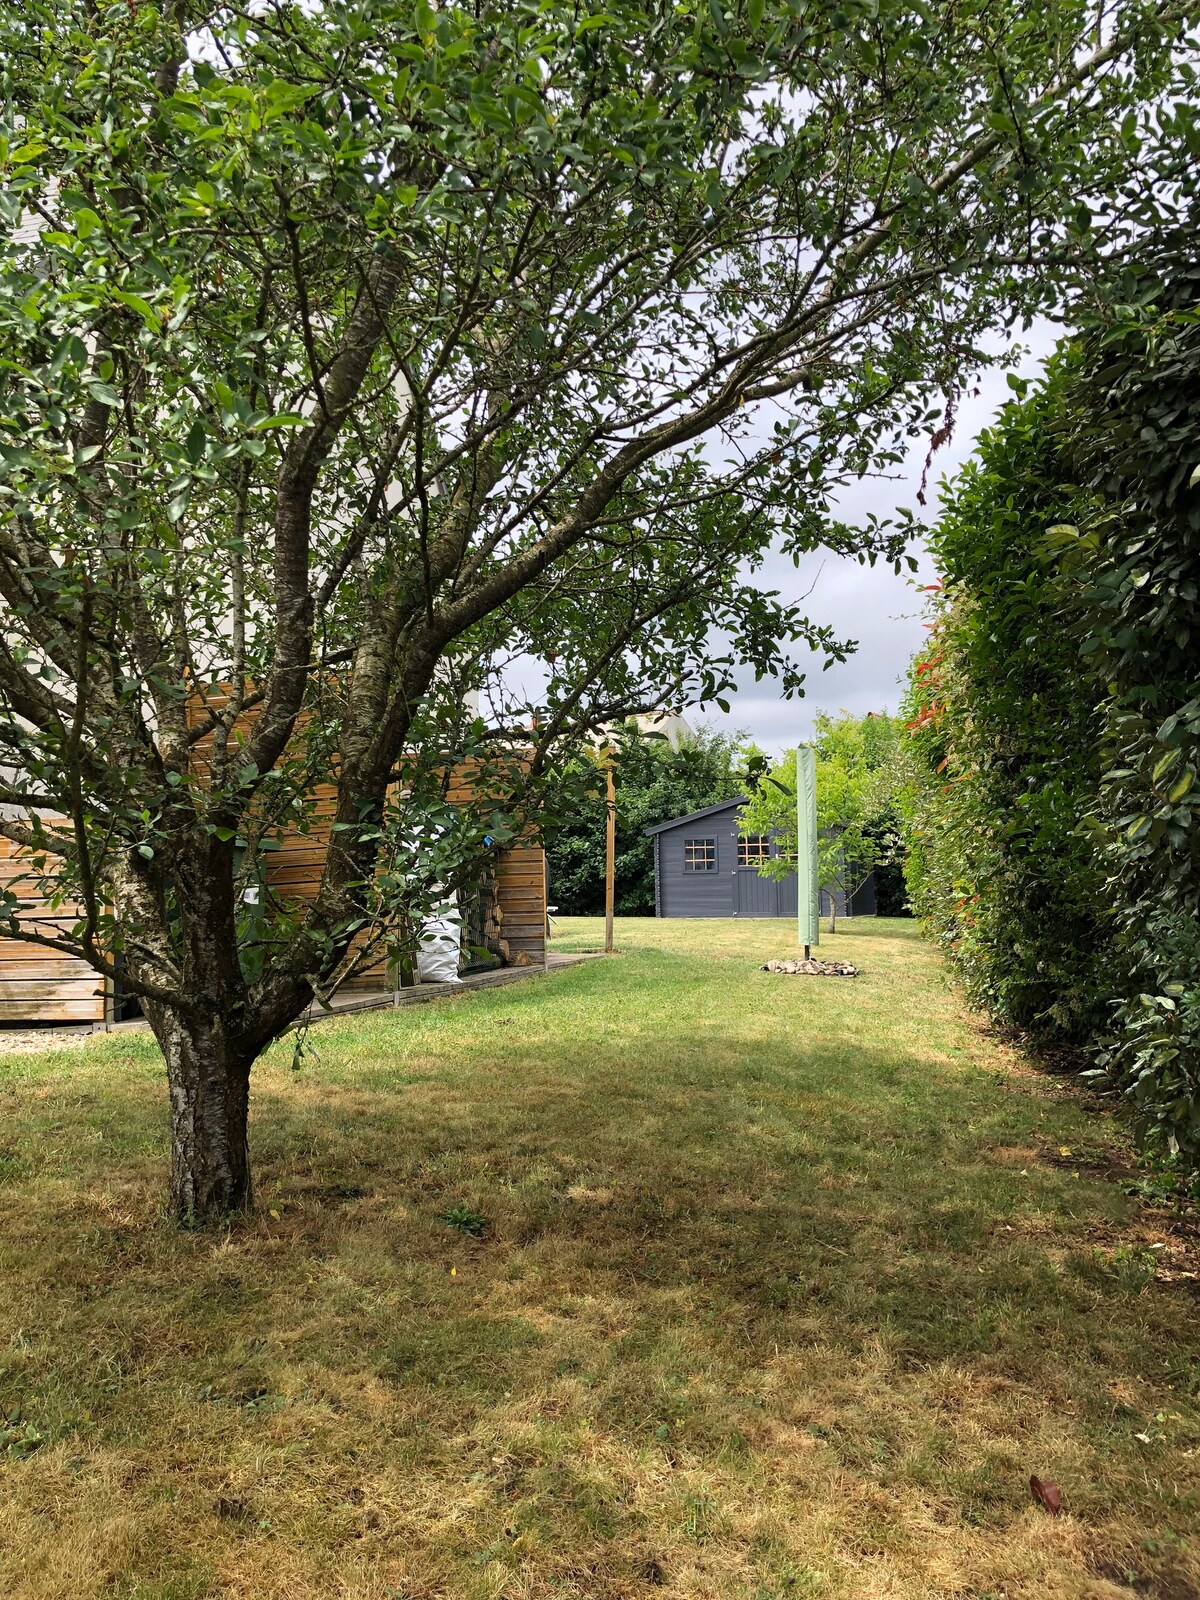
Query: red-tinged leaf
x,y
1047,1492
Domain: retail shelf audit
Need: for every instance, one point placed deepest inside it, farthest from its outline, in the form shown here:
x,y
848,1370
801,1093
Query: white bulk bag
x,y
441,941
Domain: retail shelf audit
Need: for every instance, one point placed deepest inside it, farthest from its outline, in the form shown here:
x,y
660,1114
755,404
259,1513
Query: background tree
x,y
654,781
349,349
858,775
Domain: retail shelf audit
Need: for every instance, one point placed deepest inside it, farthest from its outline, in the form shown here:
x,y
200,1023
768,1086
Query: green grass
x,y
659,1275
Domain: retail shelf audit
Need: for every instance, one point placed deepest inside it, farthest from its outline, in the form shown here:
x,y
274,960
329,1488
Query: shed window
x,y
753,848
699,855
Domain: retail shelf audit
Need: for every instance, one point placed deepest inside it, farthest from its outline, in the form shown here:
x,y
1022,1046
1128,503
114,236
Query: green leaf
x,y
177,504
105,393
143,308
285,419
196,440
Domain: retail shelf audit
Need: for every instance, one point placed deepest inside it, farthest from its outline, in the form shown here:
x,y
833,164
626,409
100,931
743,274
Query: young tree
x,y
348,347
858,776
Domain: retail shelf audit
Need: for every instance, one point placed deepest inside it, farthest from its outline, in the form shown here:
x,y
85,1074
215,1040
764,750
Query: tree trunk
x,y
208,1076
833,910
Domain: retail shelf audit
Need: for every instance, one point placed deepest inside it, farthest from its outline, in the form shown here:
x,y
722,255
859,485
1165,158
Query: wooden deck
x,y
420,992
13,1039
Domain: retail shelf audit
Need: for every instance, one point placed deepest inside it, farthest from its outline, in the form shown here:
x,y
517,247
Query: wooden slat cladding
x,y
293,872
40,985
521,891
37,984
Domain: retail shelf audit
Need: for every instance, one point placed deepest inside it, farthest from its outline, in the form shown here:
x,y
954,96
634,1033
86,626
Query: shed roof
x,y
695,816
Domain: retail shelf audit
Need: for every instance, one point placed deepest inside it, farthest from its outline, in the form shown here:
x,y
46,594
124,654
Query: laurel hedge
x,y
1052,818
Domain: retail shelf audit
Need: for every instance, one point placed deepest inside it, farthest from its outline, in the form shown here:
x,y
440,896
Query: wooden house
x,y
506,913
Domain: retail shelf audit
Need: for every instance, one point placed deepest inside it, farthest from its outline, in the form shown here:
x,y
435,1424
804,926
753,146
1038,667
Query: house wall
x,y
41,985
730,890
293,872
37,984
697,894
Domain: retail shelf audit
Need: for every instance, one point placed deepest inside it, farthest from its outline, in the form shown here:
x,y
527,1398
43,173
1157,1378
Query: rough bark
x,y
208,1077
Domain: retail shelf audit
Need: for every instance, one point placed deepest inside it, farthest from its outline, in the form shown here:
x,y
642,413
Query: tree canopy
x,y
349,351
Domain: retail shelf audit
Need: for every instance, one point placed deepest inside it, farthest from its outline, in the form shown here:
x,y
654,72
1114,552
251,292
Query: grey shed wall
x,y
729,890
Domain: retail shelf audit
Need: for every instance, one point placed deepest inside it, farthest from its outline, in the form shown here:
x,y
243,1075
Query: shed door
x,y
754,895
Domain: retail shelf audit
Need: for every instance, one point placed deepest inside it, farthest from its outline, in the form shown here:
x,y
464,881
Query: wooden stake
x,y
610,856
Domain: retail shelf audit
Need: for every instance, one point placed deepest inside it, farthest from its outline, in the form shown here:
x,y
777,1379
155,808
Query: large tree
x,y
348,348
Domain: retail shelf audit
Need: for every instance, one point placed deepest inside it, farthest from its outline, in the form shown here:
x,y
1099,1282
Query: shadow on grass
x,y
741,1271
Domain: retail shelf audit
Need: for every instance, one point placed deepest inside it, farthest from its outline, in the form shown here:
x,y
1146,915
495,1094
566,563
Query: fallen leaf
x,y
1047,1492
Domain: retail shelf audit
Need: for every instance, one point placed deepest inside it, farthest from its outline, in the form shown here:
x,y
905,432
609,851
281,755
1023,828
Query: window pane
x,y
753,848
699,855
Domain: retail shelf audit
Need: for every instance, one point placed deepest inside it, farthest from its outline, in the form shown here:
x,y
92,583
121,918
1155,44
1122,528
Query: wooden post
x,y
610,855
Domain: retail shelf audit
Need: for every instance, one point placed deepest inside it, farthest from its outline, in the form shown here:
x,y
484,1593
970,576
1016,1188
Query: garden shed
x,y
506,914
705,866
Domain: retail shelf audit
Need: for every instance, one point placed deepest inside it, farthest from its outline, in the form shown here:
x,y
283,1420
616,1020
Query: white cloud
x,y
872,605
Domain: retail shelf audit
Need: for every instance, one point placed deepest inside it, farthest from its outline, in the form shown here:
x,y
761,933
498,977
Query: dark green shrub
x,y
1054,850
1006,731
1134,416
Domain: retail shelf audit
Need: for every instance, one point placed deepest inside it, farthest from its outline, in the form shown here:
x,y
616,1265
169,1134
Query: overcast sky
x,y
881,611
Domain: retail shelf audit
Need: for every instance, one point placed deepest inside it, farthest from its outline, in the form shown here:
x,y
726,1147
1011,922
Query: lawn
x,y
783,1287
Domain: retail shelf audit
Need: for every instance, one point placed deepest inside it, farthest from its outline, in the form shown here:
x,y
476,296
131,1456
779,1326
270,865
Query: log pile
x,y
813,968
